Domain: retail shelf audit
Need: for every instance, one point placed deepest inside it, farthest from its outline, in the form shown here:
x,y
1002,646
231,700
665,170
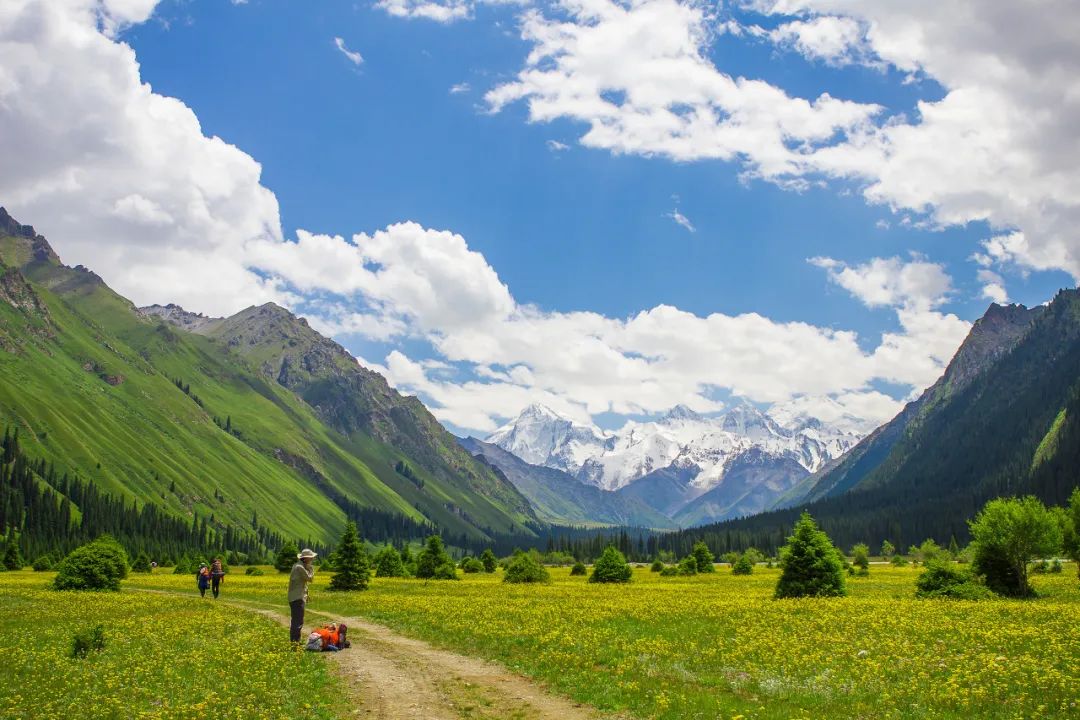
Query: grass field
x,y
719,646
164,657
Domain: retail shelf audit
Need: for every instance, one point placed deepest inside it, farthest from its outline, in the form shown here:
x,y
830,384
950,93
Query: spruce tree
x,y
141,564
743,566
812,567
353,571
490,561
431,558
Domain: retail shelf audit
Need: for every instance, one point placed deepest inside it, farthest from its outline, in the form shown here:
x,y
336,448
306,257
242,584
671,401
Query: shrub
x,y
99,565
252,570
431,558
1055,567
141,564
941,579
578,569
473,566
490,561
286,557
611,567
352,569
86,641
446,571
12,558
523,568
703,557
183,566
860,558
44,562
1007,534
743,566
687,566
1040,567
731,557
656,566
670,570
388,563
811,565
899,561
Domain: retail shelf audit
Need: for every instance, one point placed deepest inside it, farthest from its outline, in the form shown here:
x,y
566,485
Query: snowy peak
x,y
681,413
541,436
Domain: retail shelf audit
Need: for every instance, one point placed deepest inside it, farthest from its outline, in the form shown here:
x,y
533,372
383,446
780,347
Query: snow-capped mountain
x,y
540,436
687,455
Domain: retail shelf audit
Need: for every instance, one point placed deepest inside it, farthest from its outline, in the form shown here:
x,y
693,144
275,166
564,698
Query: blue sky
x,y
357,146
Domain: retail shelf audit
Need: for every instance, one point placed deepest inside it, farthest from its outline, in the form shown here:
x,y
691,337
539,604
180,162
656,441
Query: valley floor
x,y
701,647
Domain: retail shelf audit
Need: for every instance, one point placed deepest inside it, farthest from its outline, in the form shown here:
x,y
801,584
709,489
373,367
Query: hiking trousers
x,y
215,584
296,611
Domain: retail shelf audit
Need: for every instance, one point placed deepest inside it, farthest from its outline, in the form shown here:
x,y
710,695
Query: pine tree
x,y
812,567
388,563
353,571
431,558
490,562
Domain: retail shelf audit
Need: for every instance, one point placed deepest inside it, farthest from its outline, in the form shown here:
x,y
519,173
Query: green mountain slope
x,y
1003,420
138,406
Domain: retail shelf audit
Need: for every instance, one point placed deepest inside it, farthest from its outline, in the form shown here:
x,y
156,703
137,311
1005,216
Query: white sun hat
x,y
307,553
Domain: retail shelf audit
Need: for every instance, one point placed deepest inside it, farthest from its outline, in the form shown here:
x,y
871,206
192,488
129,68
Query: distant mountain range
x,y
686,467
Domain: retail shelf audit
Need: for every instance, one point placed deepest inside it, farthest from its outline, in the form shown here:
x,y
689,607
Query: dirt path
x,y
397,678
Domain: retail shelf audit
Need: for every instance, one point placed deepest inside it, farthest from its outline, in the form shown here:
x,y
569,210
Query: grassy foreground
x,y
164,657
719,646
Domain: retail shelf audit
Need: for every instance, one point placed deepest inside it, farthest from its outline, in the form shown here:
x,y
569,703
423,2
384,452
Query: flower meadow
x,y
718,645
164,657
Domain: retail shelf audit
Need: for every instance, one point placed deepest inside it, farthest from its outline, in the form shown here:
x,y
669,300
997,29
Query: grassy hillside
x,y
140,407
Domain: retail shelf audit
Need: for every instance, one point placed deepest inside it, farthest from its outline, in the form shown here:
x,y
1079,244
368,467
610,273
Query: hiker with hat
x,y
203,578
302,574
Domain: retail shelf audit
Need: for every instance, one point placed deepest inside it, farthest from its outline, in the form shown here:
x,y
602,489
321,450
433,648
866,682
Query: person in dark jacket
x,y
217,574
203,578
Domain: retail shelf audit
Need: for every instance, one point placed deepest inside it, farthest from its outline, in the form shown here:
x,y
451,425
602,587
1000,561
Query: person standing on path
x,y
203,579
302,574
217,574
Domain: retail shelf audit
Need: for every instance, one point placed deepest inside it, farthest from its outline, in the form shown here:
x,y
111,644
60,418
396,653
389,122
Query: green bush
x,y
743,566
899,561
1055,567
473,566
812,567
351,565
703,557
1040,567
12,558
578,569
942,579
523,568
656,566
611,567
286,558
141,564
490,561
431,558
687,566
388,563
252,570
86,641
45,562
446,571
99,565
670,570
860,558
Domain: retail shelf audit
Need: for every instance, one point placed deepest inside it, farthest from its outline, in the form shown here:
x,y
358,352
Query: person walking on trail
x,y
302,574
217,575
203,578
